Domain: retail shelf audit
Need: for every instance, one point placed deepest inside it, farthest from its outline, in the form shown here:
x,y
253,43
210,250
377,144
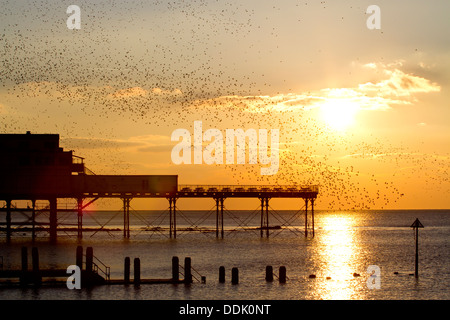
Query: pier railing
x,y
105,270
247,188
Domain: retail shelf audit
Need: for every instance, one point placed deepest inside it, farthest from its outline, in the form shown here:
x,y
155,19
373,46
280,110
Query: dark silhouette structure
x,y
34,167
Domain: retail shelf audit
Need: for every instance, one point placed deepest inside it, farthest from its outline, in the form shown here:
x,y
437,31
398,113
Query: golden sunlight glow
x,y
339,113
339,251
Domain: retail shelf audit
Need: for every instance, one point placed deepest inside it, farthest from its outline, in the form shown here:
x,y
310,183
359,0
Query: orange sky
x,y
363,113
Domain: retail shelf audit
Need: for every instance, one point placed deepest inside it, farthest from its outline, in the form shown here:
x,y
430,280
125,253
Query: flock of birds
x,y
165,64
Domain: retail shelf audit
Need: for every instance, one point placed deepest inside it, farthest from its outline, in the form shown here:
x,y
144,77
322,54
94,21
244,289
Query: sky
x,y
363,113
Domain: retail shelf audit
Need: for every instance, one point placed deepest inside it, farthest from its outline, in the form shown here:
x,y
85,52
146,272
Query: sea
x,y
354,255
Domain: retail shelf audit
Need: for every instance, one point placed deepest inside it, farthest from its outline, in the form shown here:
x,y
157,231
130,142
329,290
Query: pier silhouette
x,y
34,167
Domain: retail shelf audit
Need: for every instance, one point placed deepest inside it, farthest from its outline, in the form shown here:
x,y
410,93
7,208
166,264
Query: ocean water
x,y
345,242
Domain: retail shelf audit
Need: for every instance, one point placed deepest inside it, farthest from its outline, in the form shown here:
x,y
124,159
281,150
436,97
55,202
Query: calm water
x,y
344,243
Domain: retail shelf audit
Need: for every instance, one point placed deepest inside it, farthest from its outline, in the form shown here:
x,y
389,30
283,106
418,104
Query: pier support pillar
x,y
306,218
53,219
126,217
264,216
33,219
8,219
219,216
312,216
172,217
267,217
80,218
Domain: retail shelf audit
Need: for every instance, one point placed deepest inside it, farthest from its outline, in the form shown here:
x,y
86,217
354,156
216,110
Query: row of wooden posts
x,y
188,276
269,274
34,276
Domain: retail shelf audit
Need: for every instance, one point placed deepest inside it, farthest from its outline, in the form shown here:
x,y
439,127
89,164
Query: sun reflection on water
x,y
338,256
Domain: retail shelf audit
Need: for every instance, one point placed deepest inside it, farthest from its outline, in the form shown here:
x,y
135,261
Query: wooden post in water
x,y
235,275
89,258
175,269
221,274
126,270
79,257
24,275
269,273
416,225
35,263
137,271
187,270
282,274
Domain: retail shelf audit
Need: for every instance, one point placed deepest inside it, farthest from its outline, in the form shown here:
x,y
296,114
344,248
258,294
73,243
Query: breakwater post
x,y
24,275
235,275
137,272
282,274
221,274
126,270
175,269
269,273
35,262
89,259
79,257
187,270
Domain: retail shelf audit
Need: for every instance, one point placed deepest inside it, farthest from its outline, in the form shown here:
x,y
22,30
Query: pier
x,y
36,169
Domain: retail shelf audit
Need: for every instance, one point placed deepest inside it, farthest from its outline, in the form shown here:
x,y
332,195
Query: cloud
x,y
129,92
3,109
395,87
157,148
399,85
97,143
141,92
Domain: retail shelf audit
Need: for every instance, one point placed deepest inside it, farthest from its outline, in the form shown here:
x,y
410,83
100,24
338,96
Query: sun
x,y
339,114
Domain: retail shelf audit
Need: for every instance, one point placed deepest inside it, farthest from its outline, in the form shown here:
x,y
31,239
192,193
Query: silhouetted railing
x,y
248,188
106,271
